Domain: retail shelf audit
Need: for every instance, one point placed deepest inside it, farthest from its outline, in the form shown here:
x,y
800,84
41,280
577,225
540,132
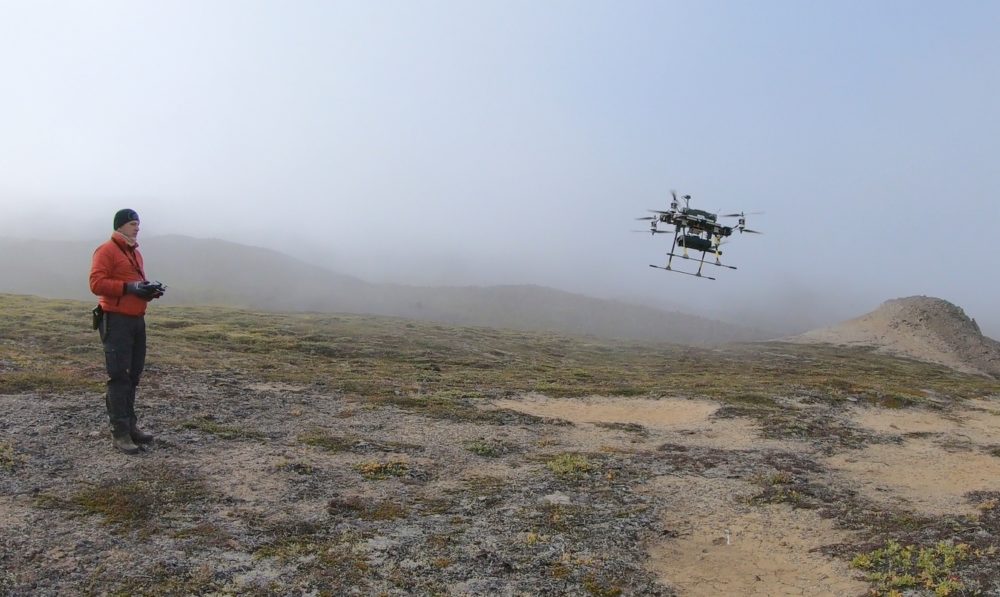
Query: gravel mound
x,y
921,327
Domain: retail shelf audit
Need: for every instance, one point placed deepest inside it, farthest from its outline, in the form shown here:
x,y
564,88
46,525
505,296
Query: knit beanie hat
x,y
124,216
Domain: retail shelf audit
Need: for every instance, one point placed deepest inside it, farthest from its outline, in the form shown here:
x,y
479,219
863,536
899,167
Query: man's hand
x,y
144,290
158,289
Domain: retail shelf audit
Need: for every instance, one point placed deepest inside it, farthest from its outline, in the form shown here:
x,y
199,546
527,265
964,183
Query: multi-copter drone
x,y
697,230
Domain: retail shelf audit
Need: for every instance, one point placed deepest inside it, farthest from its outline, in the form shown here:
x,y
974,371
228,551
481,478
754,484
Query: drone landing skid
x,y
716,263
677,271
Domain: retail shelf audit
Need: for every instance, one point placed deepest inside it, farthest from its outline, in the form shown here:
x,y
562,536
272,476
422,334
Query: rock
x,y
556,499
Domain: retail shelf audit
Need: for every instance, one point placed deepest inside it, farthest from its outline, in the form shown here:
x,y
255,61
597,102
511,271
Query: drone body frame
x,y
696,230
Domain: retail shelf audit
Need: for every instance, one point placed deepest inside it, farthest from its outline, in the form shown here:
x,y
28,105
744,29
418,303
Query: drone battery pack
x,y
697,243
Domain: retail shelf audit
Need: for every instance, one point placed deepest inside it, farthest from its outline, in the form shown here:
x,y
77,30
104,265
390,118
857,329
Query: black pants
x,y
124,339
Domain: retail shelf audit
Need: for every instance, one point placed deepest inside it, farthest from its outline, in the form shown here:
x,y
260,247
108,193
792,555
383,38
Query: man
x,y
118,278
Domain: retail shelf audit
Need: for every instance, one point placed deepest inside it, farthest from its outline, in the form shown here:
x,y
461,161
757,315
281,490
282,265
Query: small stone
x,y
556,498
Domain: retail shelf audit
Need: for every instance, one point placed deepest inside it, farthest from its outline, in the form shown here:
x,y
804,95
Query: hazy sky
x,y
515,142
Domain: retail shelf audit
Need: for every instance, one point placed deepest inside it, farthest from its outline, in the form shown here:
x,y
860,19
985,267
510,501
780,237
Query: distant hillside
x,y
921,327
209,271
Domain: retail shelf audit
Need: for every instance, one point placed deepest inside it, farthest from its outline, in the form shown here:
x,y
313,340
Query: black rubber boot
x,y
121,437
138,435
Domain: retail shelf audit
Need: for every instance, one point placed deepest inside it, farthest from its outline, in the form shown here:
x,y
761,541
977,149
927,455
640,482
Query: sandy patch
x,y
931,474
496,470
276,386
978,423
738,433
919,474
651,414
899,421
675,420
247,474
723,547
477,474
990,405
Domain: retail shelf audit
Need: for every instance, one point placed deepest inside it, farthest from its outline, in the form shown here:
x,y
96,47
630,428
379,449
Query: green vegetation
x,y
9,460
777,478
779,487
569,465
47,382
48,346
599,587
485,485
207,425
367,510
448,405
139,502
486,448
440,370
329,561
382,470
895,568
330,443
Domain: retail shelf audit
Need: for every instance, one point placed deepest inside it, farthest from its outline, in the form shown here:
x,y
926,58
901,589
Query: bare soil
x,y
669,502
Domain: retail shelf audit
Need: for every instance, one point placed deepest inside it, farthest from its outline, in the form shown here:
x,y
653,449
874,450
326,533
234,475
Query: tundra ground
x,y
324,454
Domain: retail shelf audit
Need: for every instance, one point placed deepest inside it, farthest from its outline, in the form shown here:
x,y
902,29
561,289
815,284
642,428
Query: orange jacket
x,y
114,265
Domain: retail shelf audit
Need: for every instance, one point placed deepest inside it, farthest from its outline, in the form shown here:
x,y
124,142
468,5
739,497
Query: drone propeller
x,y
742,214
648,218
674,204
742,230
